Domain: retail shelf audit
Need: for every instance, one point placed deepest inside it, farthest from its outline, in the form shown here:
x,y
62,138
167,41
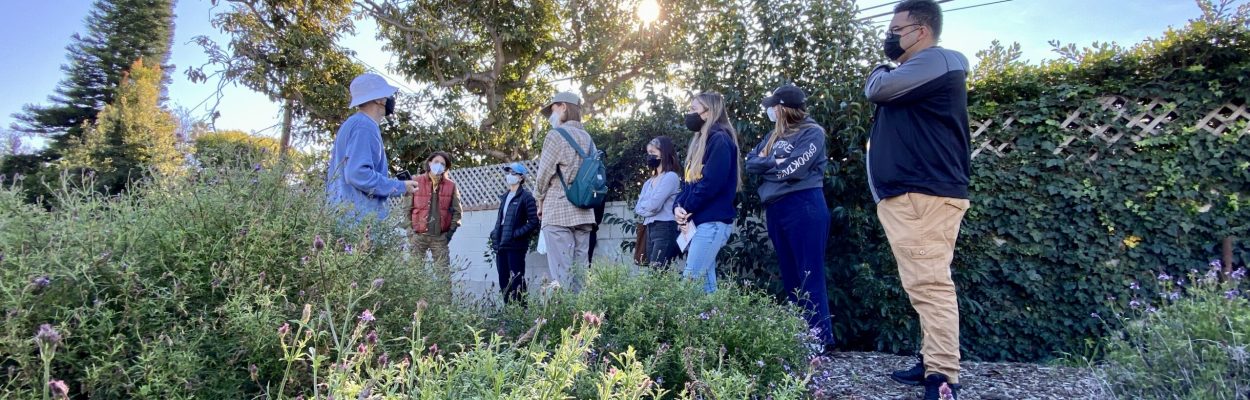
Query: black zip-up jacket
x,y
515,232
920,139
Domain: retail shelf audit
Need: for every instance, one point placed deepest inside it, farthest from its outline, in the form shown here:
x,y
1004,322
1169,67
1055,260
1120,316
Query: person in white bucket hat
x,y
358,179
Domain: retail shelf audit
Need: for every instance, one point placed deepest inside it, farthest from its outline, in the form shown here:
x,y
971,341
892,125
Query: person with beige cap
x,y
357,178
565,227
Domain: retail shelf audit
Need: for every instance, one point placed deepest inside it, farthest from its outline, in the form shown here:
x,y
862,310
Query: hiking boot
x,y
910,377
936,387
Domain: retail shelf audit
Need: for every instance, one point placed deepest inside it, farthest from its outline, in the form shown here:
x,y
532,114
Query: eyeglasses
x,y
896,29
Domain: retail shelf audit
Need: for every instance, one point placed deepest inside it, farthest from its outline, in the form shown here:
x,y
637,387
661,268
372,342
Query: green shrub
x,y
218,148
678,329
1192,346
174,290
544,362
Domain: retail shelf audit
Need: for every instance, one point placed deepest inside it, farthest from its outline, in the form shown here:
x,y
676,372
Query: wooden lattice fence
x,y
1133,123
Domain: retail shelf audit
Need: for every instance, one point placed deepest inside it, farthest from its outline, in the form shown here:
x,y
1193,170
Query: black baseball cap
x,y
787,95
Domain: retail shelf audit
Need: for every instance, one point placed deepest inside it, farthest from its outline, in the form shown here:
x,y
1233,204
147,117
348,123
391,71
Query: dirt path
x,y
866,376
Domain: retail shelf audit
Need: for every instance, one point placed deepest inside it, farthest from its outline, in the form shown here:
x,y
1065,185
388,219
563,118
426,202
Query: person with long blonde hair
x,y
791,164
712,179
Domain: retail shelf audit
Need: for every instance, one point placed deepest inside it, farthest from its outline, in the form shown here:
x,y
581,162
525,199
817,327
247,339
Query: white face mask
x,y
555,118
772,114
511,179
437,168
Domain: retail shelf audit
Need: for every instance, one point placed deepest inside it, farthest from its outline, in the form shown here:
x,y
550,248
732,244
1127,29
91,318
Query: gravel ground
x,y
866,376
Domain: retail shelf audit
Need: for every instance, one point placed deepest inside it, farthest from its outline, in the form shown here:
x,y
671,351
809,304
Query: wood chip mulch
x,y
856,376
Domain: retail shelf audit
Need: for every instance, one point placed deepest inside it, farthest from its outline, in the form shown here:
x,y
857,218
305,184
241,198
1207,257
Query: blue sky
x,y
36,33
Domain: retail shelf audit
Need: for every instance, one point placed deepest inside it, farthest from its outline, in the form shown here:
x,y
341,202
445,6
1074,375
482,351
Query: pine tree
x,y
118,33
133,136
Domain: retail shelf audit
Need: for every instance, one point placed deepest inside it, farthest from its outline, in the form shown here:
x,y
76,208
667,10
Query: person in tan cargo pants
x,y
918,171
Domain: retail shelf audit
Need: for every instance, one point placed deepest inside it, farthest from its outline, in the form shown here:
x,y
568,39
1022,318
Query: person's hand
x,y
540,210
681,215
410,187
683,227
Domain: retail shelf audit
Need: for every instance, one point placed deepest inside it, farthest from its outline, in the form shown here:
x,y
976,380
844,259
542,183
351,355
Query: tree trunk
x,y
1227,255
284,144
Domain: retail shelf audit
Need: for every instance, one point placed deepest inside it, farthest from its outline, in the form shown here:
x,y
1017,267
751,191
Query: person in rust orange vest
x,y
434,213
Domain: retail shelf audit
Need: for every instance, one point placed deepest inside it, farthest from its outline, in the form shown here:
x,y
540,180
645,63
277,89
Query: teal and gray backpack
x,y
590,187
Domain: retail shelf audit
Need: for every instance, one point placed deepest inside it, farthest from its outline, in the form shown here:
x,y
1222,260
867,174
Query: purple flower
x,y
256,167
1232,294
318,243
58,388
1174,295
1134,304
377,283
1134,286
1180,281
384,359
1094,315
303,260
42,282
1216,264
1213,274
253,371
47,335
703,316
366,316
1239,274
347,248
372,337
759,363
284,329
1165,277
1151,310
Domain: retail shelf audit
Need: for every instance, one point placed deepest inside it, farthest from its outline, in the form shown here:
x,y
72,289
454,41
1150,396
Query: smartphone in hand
x,y
403,176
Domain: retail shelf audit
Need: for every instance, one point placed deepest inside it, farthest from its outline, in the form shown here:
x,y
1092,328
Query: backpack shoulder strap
x,y
573,143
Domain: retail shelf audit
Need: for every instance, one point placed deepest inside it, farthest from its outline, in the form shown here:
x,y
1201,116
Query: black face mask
x,y
694,122
653,161
390,106
893,50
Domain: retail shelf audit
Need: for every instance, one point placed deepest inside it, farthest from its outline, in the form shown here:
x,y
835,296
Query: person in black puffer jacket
x,y
515,225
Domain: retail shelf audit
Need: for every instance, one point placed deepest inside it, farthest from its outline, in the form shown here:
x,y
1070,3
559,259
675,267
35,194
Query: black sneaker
x,y
910,377
936,387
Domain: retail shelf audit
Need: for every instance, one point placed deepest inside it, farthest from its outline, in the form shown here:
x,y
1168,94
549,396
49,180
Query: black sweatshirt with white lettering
x,y
797,162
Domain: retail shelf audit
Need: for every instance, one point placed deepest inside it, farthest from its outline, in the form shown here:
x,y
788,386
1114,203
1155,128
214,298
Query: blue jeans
x,y
708,238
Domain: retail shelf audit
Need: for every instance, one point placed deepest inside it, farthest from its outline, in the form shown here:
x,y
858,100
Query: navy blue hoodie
x,y
920,138
796,162
711,199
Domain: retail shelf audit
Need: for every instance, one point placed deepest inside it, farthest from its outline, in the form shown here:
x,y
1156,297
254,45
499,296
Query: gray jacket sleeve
x,y
887,84
650,203
807,157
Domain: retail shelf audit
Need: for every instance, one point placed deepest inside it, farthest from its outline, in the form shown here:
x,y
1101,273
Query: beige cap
x,y
562,97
